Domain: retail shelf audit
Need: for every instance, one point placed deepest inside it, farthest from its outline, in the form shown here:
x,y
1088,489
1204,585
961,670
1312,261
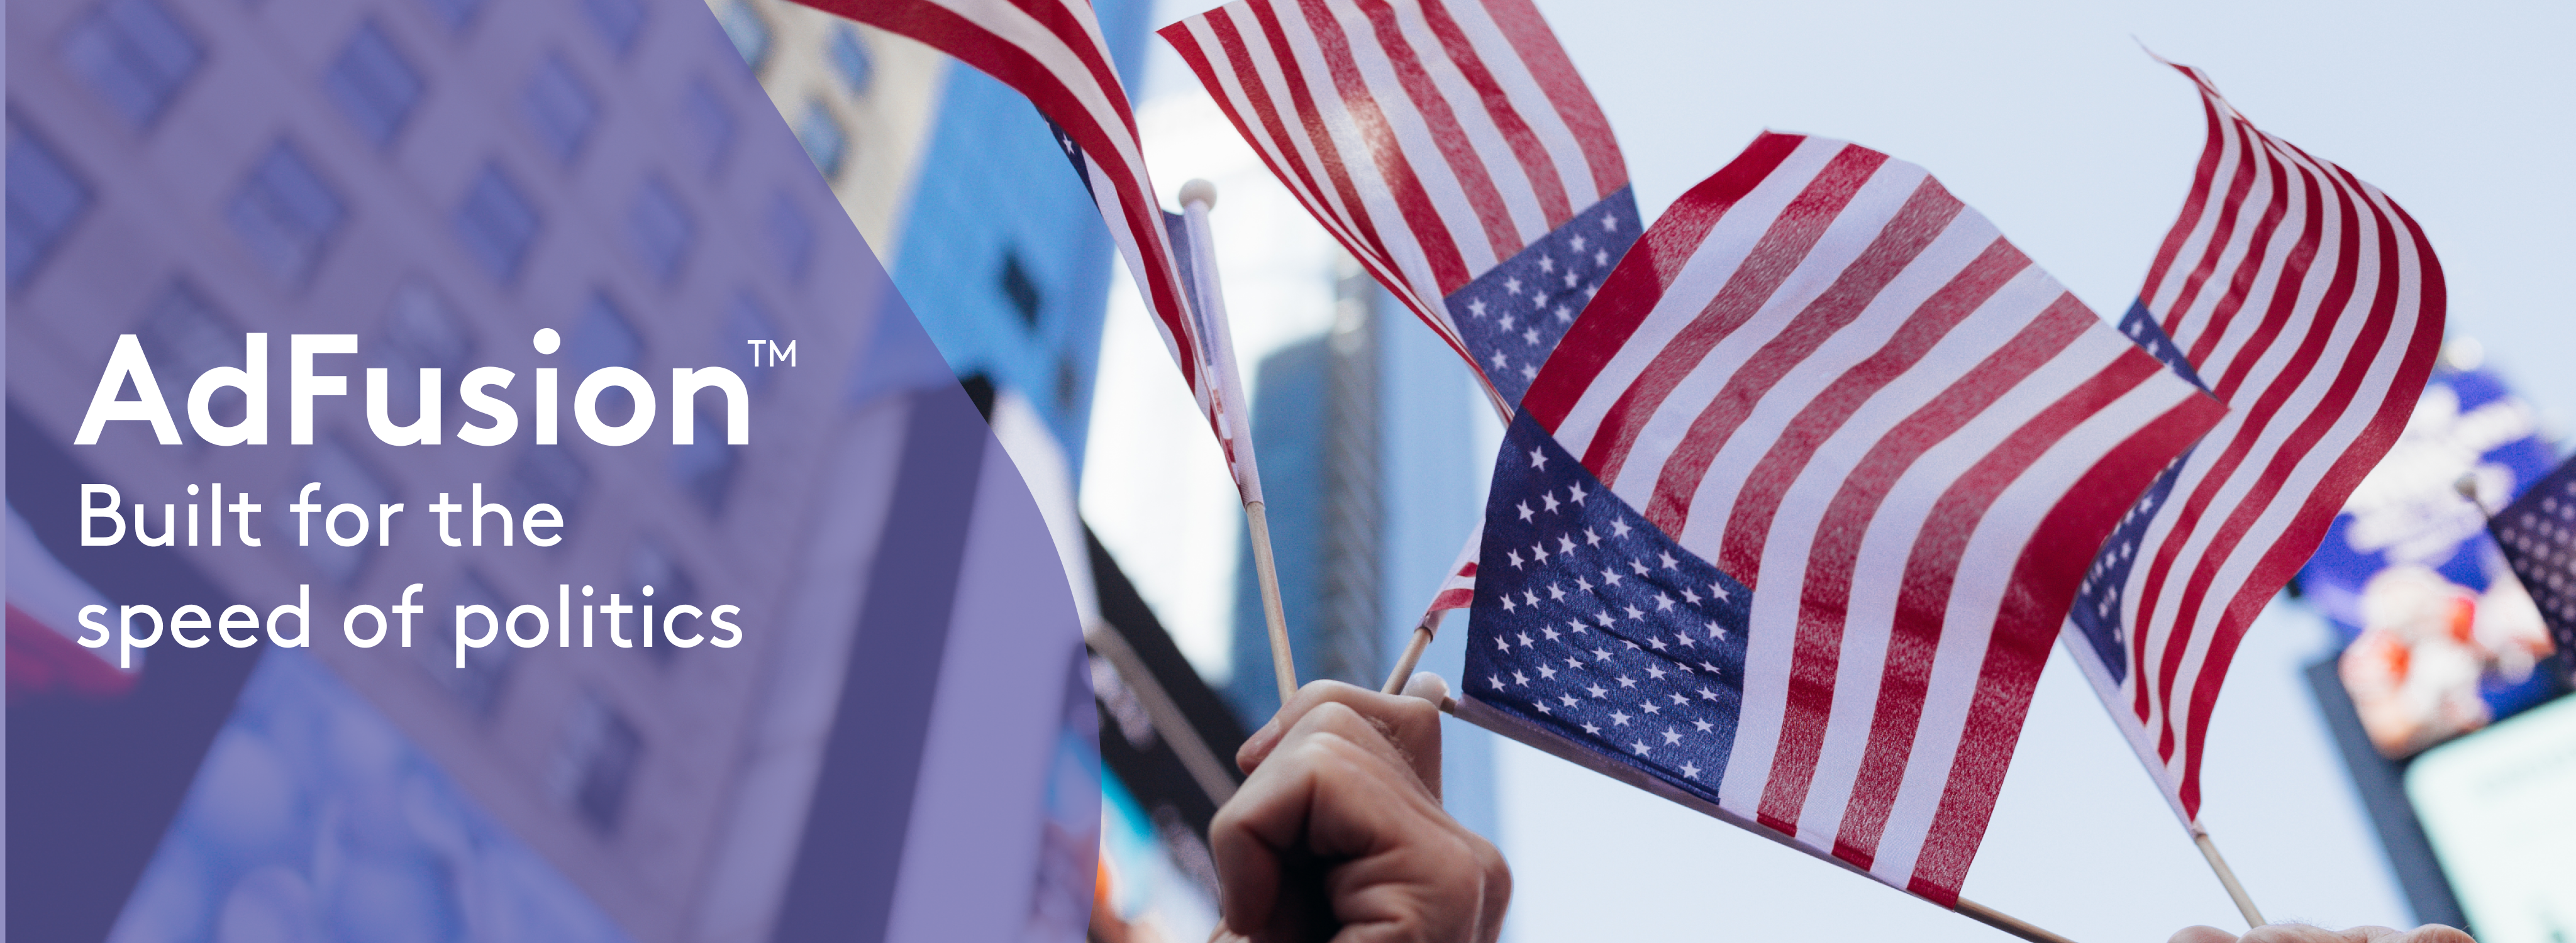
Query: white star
x,y
1663,603
1530,597
1503,643
1597,691
1601,258
1494,681
1578,242
1569,279
1510,321
1641,747
1592,729
1555,592
1690,770
1529,373
1530,336
1582,585
1603,618
1523,679
1635,613
1546,264
1500,361
1640,567
1577,497
1539,551
1516,559
1715,632
1564,315
1610,223
1525,510
1591,538
1618,528
1509,606
1619,718
1656,641
1712,669
1550,633
1567,698
1512,285
1704,726
1538,300
1706,694
1684,641
1650,708
1655,671
1720,592
1573,662
1610,577
1669,562
1538,459
1546,672
1476,307
1543,708
1548,502
1689,597
1671,736
1679,700
1627,682
1575,626
1565,543
1525,640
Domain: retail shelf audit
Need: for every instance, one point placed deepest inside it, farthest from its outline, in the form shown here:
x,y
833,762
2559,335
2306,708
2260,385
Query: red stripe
x,y
1826,592
2238,185
1783,247
1060,19
1536,163
1377,137
1475,185
2045,577
2259,417
971,43
1630,291
2316,515
1925,214
1932,565
2194,204
1527,31
2206,335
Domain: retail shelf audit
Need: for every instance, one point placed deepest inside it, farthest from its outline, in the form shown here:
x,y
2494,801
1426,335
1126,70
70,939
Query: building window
x,y
286,213
560,106
457,14
487,669
345,478
749,32
420,332
136,54
660,229
745,319
823,138
713,122
791,234
186,335
497,223
373,84
45,200
596,762
850,58
1020,289
618,22
704,468
549,475
651,565
604,337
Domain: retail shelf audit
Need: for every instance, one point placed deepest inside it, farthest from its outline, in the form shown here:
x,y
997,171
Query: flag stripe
x,y
1554,75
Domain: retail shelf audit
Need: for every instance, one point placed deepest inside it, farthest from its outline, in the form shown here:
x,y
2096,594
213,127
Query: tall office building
x,y
1374,466
957,183
441,179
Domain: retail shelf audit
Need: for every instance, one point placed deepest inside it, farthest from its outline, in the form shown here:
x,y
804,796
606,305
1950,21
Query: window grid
x,y
497,223
136,53
374,85
46,199
286,214
560,107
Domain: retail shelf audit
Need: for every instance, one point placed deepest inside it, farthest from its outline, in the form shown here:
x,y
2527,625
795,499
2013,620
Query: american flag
x,y
1448,144
1052,51
1458,589
2538,534
1784,528
2311,305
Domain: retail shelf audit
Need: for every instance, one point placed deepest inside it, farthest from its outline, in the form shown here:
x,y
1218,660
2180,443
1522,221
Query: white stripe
x,y
1501,164
1414,144
1376,195
1668,429
2198,319
2002,536
1711,263
2238,333
1521,87
2160,297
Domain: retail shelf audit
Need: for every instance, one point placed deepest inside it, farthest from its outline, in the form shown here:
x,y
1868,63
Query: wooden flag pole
x,y
1412,652
1437,691
2227,877
1197,198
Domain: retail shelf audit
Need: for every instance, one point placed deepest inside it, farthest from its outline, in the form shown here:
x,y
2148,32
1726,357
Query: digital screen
x,y
2500,809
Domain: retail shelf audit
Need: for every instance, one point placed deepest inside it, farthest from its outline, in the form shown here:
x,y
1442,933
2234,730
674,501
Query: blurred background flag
x,y
2538,535
2311,305
1824,371
1449,146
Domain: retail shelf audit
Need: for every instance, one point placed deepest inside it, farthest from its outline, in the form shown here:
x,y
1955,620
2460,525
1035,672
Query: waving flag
x,y
1448,144
1786,526
2311,305
2538,534
1052,51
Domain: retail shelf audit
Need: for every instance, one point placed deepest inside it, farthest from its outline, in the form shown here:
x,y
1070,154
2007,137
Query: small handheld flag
x,y
1449,146
1783,529
2538,534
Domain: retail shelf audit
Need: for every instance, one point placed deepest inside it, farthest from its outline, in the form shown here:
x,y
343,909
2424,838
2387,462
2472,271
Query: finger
x,y
1410,724
2434,933
2203,935
1332,760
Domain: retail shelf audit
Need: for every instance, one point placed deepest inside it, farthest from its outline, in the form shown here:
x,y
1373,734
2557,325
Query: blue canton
x,y
1593,625
1512,317
2538,534
2097,602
